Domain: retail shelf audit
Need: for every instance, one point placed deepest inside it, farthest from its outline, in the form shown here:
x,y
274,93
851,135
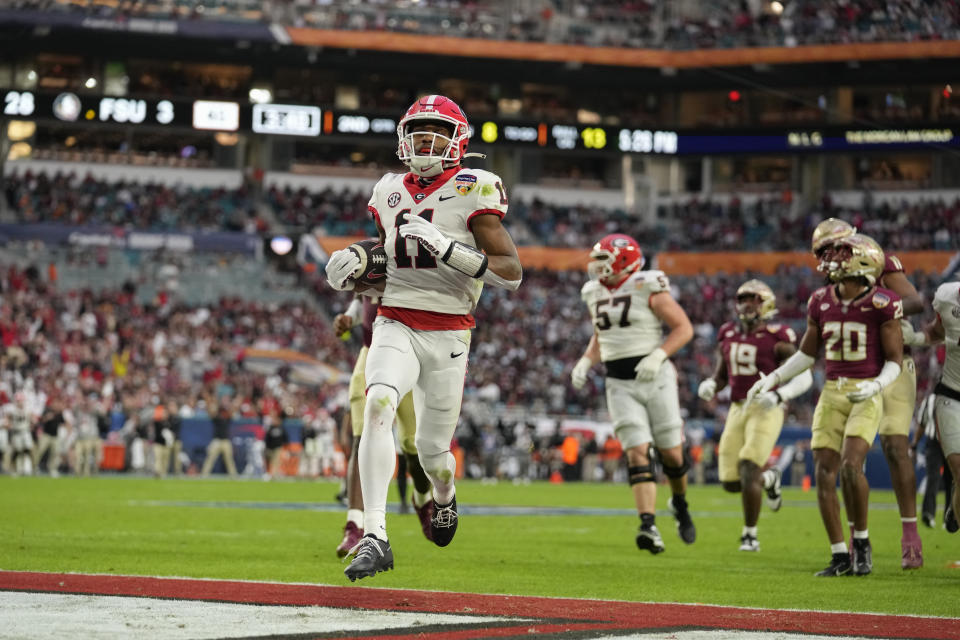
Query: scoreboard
x,y
310,121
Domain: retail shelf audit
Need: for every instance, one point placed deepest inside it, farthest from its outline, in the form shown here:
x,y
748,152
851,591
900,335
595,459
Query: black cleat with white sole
x,y
443,523
839,566
648,537
774,491
950,520
373,556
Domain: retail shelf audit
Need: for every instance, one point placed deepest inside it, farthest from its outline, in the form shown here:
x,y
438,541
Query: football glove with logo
x,y
426,233
341,266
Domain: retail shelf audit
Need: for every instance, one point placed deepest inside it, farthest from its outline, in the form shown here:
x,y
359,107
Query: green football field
x,y
581,546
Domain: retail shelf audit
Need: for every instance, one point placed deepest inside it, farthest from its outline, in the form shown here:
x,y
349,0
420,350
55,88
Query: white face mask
x,y
418,150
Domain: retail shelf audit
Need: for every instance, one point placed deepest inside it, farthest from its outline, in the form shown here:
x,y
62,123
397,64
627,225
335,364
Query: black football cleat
x,y
373,556
839,566
648,537
950,520
685,528
443,523
862,557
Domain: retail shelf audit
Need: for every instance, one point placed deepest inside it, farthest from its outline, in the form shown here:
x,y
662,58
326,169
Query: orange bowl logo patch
x,y
465,183
880,300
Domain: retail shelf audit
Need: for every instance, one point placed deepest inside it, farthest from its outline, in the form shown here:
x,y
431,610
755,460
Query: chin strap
x,y
474,155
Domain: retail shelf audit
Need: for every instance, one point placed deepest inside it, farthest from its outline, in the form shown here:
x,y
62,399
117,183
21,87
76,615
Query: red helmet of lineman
x,y
440,152
614,258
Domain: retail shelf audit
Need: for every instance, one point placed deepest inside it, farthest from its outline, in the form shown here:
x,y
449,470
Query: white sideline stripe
x,y
56,615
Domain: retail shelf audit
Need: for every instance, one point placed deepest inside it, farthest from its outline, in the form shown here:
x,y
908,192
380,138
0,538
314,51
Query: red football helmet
x,y
438,109
614,257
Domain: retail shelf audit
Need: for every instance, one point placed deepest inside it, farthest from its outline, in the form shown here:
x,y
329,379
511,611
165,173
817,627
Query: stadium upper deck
x,y
802,96
653,24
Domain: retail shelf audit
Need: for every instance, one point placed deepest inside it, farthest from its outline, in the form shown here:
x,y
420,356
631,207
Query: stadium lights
x,y
90,83
260,95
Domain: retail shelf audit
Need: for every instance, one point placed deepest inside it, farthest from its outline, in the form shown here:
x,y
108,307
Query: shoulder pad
x,y
892,264
653,280
948,292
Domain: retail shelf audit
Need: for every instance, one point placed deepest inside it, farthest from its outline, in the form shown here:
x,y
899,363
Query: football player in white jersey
x,y
946,328
440,225
628,307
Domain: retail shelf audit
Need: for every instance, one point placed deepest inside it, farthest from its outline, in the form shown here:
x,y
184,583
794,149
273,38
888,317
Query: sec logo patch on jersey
x,y
394,199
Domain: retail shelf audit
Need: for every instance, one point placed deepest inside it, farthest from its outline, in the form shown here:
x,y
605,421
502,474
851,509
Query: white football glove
x,y
912,337
765,384
578,377
648,367
707,389
426,233
865,390
766,400
341,266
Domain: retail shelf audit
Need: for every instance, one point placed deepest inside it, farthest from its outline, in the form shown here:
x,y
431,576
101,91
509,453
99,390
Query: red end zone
x,y
555,616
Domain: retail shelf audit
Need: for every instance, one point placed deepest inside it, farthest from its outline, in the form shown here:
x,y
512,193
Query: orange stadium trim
x,y
617,57
688,263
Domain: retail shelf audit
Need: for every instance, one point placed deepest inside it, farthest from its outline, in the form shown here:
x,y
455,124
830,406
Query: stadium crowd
x,y
104,352
74,200
767,223
635,24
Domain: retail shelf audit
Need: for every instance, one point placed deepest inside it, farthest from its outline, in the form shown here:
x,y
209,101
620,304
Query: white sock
x,y
861,535
420,499
377,458
840,547
444,495
356,517
749,531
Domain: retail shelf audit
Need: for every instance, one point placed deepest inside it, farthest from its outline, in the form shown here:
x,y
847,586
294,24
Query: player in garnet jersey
x,y
749,349
899,398
858,325
440,225
628,307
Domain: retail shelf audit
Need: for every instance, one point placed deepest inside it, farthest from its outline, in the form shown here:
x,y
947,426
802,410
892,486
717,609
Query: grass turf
x,y
126,525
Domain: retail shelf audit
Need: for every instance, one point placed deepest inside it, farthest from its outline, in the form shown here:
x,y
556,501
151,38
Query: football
x,y
373,261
